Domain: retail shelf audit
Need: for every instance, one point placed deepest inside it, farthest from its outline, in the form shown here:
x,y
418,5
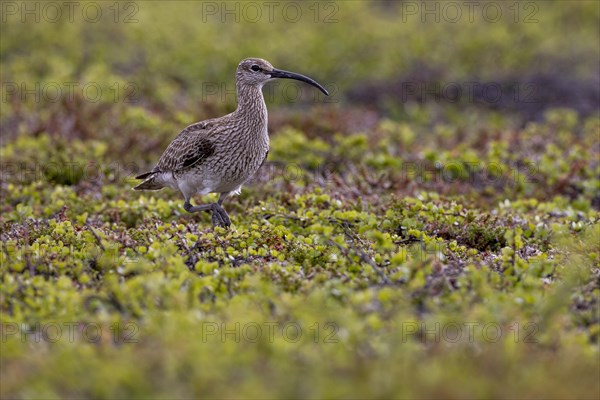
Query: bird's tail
x,y
150,183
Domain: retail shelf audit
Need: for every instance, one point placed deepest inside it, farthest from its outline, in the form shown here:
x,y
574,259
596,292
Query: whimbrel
x,y
219,155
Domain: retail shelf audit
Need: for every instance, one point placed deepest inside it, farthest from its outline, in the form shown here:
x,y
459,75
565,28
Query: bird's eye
x,y
255,68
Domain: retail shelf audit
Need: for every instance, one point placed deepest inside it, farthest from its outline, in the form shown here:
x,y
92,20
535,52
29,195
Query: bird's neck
x,y
251,102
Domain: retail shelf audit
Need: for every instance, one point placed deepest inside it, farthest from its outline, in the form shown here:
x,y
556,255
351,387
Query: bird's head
x,y
256,71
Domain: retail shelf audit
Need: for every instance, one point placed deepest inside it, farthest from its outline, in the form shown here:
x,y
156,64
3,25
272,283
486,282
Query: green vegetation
x,y
386,249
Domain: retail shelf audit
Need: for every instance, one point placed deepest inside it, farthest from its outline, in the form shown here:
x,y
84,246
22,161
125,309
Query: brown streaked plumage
x,y
219,155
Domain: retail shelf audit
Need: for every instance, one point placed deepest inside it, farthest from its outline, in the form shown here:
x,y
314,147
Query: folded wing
x,y
189,149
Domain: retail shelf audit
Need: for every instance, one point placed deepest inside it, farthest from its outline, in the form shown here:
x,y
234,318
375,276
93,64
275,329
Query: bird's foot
x,y
219,216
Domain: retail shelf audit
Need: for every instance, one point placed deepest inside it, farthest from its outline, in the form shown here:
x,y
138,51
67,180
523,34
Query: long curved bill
x,y
278,73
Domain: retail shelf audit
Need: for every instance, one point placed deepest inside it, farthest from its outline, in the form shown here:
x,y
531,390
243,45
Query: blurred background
x,y
410,82
452,175
112,71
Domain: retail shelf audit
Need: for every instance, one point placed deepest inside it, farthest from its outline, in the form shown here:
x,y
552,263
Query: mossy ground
x,y
399,250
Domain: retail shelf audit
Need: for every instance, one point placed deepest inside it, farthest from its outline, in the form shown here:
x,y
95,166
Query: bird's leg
x,y
219,209
219,216
192,209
